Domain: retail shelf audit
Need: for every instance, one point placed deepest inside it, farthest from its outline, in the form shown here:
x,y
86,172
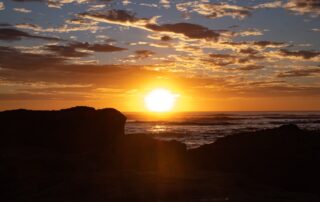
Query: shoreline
x,y
85,156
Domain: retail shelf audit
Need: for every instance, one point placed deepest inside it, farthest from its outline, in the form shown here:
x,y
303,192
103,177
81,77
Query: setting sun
x,y
160,100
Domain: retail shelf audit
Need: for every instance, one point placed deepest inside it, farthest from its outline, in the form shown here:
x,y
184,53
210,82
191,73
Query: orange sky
x,y
217,55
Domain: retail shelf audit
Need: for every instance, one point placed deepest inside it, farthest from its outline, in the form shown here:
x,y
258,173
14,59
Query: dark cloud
x,y
74,49
11,58
268,43
10,34
228,59
300,72
120,17
166,38
250,58
311,7
222,59
127,18
66,51
306,54
249,51
251,67
142,54
189,30
102,48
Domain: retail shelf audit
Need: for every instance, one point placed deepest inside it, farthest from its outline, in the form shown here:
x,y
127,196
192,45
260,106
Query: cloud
x,y
249,51
255,44
269,44
22,10
215,10
251,67
127,18
2,6
275,4
11,58
222,59
165,38
76,26
142,54
56,3
193,31
81,49
249,32
119,17
305,54
301,7
165,3
300,73
310,7
67,51
10,34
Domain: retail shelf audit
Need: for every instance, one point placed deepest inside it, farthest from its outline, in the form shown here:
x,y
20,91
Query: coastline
x,y
85,156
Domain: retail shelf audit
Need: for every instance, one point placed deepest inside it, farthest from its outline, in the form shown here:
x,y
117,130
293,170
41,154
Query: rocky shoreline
x,y
82,154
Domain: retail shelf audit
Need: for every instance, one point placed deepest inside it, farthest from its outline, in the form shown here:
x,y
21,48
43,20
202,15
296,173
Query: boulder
x,y
77,129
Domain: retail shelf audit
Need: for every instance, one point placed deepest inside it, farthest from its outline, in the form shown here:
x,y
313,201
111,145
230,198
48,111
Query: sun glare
x,y
160,100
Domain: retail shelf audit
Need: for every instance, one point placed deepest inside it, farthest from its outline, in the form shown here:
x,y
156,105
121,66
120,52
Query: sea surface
x,y
198,128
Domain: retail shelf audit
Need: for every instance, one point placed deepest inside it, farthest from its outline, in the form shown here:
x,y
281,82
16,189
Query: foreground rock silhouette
x,y
82,154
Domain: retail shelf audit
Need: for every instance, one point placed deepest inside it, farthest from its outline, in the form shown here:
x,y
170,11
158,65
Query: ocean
x,y
199,128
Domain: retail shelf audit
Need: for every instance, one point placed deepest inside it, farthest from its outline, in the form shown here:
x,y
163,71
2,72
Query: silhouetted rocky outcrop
x,y
78,129
287,157
82,154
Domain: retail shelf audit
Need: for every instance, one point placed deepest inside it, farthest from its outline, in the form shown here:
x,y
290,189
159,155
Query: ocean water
x,y
198,128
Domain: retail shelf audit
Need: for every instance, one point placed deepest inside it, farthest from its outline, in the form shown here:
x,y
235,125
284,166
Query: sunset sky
x,y
214,55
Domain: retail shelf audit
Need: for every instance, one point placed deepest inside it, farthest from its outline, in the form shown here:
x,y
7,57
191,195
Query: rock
x,y
286,156
78,129
83,152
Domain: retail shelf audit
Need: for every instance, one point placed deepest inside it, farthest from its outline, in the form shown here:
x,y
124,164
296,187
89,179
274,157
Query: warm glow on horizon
x,y
160,100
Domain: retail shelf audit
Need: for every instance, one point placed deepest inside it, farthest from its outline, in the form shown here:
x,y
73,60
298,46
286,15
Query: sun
x,y
160,100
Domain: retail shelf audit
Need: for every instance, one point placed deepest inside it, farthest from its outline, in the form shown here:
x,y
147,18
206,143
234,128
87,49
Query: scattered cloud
x,y
12,58
119,17
215,10
81,49
127,18
251,67
55,3
274,4
11,34
249,32
300,73
165,3
305,54
2,6
22,10
166,38
310,7
142,54
74,27
244,59
193,31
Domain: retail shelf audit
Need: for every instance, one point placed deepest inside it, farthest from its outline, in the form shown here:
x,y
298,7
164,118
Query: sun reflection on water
x,y
158,129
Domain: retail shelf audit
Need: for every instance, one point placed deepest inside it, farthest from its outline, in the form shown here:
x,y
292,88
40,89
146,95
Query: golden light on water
x,y
160,100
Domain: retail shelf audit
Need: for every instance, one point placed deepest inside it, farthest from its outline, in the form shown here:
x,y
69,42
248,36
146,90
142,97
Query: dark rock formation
x,y
82,154
78,129
286,157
